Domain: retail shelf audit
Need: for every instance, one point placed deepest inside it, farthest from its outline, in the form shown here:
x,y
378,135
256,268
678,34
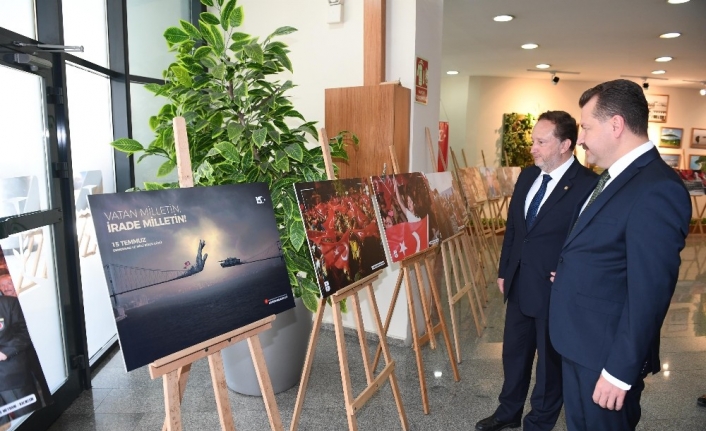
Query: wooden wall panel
x,y
379,117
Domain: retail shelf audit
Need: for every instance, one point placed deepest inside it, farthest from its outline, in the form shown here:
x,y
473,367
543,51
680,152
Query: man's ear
x,y
617,124
565,146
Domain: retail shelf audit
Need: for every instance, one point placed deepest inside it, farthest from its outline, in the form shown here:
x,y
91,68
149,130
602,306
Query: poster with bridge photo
x,y
406,211
448,203
342,231
23,386
186,265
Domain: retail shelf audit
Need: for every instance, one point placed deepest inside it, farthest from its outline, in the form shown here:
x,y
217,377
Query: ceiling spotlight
x,y
452,72
555,79
671,35
530,46
503,18
677,1
703,83
702,92
663,59
543,66
646,85
659,72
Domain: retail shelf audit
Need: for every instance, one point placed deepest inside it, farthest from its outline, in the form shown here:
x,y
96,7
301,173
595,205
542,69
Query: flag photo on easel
x,y
342,231
186,265
505,179
478,185
491,182
448,203
406,211
23,386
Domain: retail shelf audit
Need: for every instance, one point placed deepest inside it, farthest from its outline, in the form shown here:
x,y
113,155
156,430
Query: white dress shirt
x,y
556,175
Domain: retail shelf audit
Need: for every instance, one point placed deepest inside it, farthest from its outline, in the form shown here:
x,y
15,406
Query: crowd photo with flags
x,y
342,231
405,206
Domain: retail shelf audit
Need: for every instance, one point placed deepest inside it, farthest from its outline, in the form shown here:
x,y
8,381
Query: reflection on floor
x,y
132,402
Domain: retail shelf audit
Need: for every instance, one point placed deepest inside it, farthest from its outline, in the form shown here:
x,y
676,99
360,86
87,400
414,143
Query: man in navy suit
x,y
538,221
619,265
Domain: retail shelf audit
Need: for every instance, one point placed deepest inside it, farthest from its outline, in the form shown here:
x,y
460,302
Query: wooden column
x,y
374,41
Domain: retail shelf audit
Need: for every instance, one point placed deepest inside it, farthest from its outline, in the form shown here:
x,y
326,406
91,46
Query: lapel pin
x,y
566,187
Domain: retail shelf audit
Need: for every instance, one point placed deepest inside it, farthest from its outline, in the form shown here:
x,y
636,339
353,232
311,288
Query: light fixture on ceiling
x,y
555,79
503,18
703,83
543,66
530,46
670,35
664,59
677,1
659,72
452,72
645,84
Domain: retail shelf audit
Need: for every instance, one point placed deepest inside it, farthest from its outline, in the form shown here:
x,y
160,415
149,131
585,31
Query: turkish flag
x,y
337,253
405,239
443,155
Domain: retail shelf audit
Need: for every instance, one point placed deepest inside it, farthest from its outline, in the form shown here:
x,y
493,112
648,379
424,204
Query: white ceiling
x,y
601,39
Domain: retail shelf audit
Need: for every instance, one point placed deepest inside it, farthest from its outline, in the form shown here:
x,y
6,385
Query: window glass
x,y
18,16
146,22
85,24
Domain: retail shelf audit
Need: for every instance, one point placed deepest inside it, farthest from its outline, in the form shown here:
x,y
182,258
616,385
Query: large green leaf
x,y
154,122
152,87
202,52
219,72
236,19
190,29
254,51
166,168
208,62
182,75
209,18
241,90
153,186
239,36
282,31
295,152
205,170
311,301
297,235
175,35
228,151
258,137
127,145
286,62
207,2
235,130
218,41
226,14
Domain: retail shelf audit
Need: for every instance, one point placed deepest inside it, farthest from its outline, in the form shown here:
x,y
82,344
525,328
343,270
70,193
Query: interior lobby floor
x,y
133,402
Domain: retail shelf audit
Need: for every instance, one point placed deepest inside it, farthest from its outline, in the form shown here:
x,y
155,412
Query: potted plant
x,y
242,128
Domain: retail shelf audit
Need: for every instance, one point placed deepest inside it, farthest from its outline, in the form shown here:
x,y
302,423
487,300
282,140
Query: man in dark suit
x,y
538,221
619,265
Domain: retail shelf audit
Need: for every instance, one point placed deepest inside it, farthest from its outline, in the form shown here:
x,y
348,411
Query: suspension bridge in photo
x,y
125,279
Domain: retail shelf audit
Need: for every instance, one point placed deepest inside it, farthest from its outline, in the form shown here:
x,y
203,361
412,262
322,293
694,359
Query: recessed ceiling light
x,y
659,72
503,18
663,59
702,92
671,35
543,66
452,72
530,46
677,1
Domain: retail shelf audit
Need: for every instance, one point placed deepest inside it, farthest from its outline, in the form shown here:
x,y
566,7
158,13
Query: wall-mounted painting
x,y
658,105
698,138
697,162
670,137
672,160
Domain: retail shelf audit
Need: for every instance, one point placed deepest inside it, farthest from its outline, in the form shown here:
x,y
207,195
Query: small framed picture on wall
x,y
670,137
658,105
696,162
673,160
698,138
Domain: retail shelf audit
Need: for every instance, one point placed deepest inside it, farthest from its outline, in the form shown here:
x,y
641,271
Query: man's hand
x,y
501,285
551,276
2,356
607,395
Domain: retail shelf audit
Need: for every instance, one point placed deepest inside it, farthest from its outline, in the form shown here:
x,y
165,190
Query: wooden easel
x,y
411,267
700,214
374,383
174,369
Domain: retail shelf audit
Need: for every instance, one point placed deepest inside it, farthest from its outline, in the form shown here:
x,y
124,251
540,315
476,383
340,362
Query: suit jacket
x,y
536,251
618,269
15,343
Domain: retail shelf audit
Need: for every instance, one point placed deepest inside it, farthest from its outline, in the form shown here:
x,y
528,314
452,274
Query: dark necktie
x,y
536,201
605,176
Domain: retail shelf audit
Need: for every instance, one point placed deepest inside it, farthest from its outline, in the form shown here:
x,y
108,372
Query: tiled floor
x,y
133,402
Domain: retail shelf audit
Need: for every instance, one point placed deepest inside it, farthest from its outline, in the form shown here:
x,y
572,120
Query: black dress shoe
x,y
492,424
701,401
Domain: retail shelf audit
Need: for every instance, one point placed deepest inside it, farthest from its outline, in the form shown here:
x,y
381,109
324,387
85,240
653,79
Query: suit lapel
x,y
610,190
563,186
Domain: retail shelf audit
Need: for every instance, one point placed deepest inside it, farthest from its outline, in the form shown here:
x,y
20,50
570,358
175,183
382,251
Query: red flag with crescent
x,y
337,253
405,239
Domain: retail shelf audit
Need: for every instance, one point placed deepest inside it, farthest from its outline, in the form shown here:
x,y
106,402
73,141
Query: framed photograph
x,y
670,137
698,138
672,160
658,104
696,162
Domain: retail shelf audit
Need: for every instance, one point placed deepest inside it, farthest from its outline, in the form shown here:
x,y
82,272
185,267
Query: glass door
x,y
34,187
